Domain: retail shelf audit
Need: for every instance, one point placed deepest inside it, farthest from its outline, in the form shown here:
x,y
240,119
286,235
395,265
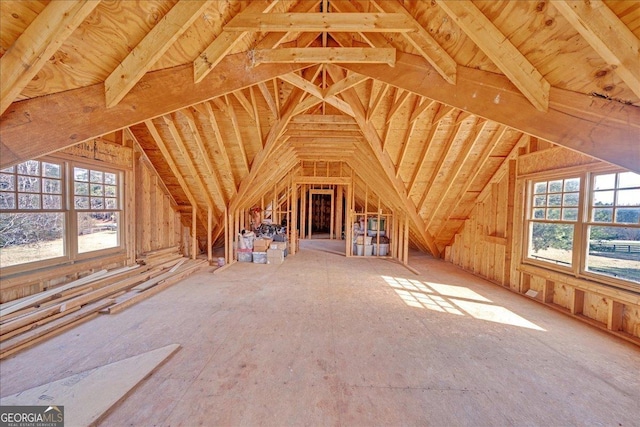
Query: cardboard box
x,y
278,245
275,256
261,245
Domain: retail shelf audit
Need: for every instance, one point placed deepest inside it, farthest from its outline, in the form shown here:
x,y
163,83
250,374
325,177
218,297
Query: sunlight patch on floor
x,y
458,300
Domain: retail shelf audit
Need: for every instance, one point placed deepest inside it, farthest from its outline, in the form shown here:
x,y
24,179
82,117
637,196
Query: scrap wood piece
x,y
155,280
69,289
106,291
168,263
16,314
110,277
42,296
48,307
7,334
175,267
159,258
50,329
157,254
28,319
88,396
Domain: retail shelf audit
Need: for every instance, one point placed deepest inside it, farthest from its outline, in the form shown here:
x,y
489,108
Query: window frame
x,y
68,209
589,222
47,262
580,245
529,220
73,211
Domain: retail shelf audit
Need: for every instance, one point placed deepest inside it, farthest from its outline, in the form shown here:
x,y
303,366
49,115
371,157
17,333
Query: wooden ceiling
x,y
423,100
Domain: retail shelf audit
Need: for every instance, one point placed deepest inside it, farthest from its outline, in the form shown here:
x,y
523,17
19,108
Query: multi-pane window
x,y
38,217
599,237
32,217
554,213
95,196
613,230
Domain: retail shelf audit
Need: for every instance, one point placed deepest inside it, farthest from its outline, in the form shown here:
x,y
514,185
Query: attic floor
x,y
326,340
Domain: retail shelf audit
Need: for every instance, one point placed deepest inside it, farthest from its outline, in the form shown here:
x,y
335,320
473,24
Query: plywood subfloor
x,y
326,340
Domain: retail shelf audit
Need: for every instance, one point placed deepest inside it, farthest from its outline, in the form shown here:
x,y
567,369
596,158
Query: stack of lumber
x,y
32,319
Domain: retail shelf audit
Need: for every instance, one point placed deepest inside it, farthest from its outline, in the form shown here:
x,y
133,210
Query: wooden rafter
x,y
315,91
150,49
245,103
188,160
320,22
374,103
374,39
273,40
400,98
443,63
264,90
605,129
307,39
325,55
437,170
256,115
276,131
500,50
42,38
478,167
149,164
238,133
423,156
424,105
464,115
411,125
207,110
393,97
341,39
204,154
306,104
221,104
302,83
326,120
222,45
607,35
374,141
274,82
324,7
68,118
455,169
166,153
344,84
286,159
336,133
442,112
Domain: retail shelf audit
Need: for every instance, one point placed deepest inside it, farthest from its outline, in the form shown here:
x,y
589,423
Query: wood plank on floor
x,y
88,396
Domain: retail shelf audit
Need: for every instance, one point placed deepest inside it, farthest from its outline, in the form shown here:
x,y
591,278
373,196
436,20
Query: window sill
x,y
63,268
617,292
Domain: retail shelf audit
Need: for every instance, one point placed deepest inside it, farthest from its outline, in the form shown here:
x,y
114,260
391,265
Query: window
x,y
554,214
37,217
613,230
32,219
597,238
95,198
